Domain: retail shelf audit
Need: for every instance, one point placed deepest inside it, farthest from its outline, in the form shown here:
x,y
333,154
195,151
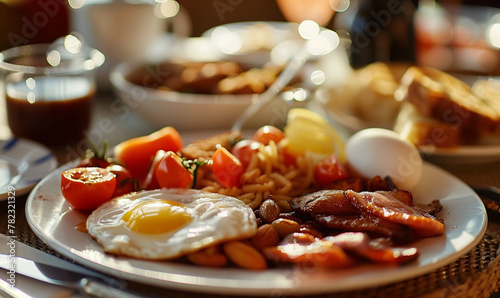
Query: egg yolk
x,y
157,216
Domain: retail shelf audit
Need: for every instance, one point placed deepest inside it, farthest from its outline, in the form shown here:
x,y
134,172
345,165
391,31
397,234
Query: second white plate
x,y
23,163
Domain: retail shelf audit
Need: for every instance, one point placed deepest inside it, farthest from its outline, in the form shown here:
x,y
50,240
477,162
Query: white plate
x,y
23,163
52,220
463,154
485,150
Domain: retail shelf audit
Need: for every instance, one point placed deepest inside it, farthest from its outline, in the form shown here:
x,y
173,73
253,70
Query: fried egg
x,y
164,224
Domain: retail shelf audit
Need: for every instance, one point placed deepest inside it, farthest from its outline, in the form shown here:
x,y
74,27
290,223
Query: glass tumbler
x,y
48,90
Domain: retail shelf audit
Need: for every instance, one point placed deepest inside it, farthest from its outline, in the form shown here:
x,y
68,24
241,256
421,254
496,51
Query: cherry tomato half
x,y
137,153
150,181
87,188
244,150
125,183
227,168
288,158
268,133
171,173
329,170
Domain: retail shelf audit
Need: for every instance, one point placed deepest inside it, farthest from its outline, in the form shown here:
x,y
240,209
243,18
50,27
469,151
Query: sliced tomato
x,y
125,183
244,150
288,158
227,168
86,188
150,182
268,133
137,153
171,173
329,170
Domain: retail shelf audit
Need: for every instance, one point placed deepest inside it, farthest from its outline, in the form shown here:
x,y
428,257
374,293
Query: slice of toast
x,y
442,97
424,131
488,90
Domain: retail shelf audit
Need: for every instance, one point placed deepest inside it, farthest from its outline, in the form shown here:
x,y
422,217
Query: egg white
x,y
215,218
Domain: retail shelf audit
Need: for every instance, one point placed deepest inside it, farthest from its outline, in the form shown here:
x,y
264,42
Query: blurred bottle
x,y
379,30
25,22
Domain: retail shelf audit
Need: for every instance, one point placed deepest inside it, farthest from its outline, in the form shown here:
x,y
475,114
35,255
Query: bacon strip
x,y
368,223
324,202
305,250
404,196
332,251
386,206
373,250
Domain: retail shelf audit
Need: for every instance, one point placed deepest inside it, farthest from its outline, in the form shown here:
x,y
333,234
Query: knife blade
x,y
28,252
41,257
55,275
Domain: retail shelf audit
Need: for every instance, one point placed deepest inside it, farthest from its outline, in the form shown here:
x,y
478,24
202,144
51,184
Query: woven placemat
x,y
476,274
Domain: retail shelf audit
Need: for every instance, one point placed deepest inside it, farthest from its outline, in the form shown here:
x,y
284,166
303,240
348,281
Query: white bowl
x,y
255,41
187,111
